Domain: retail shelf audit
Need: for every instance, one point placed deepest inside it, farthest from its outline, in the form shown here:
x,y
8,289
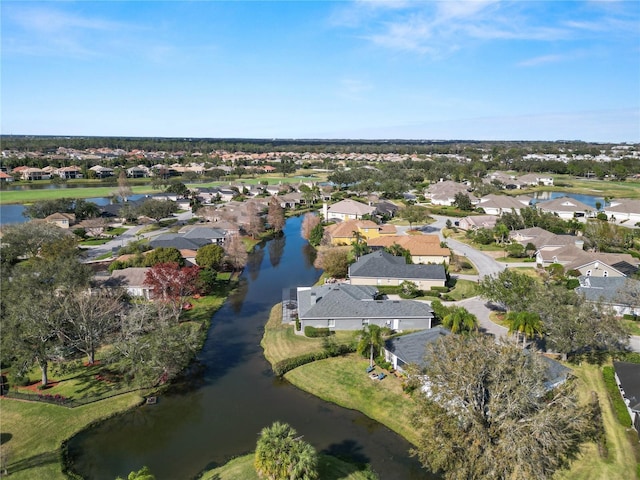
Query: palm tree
x,y
359,245
460,320
526,323
371,337
282,455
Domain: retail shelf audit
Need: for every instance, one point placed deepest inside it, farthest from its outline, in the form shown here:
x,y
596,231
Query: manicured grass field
x,y
280,341
463,289
330,468
345,382
36,430
30,196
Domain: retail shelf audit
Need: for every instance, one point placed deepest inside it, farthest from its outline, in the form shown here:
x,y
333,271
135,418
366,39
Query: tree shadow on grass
x,y
34,461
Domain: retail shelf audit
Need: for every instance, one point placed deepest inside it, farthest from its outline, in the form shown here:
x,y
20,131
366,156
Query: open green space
x,y
599,188
33,431
330,468
343,380
30,196
36,430
280,341
463,289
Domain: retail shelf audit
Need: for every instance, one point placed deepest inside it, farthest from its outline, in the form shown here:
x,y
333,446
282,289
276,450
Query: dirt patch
x,y
34,387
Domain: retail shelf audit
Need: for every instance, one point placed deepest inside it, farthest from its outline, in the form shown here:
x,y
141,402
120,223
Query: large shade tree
x,y
489,415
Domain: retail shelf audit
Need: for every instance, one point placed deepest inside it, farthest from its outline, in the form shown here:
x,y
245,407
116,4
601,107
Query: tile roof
x,y
351,207
418,245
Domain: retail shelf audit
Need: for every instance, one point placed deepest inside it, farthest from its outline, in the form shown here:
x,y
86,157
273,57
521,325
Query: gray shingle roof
x,y
412,348
355,301
629,376
605,289
381,264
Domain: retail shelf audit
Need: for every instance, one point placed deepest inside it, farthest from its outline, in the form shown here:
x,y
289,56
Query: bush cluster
x,y
313,332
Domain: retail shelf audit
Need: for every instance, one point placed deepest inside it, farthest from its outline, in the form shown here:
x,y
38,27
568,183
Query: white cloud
x,y
542,60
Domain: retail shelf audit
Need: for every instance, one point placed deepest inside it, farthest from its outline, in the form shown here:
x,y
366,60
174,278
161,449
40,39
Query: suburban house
x,y
590,264
543,239
138,172
498,204
191,239
478,221
382,268
69,173
131,279
102,172
347,210
340,306
342,233
535,179
623,209
566,208
62,220
411,349
5,177
33,174
423,248
628,380
444,193
609,291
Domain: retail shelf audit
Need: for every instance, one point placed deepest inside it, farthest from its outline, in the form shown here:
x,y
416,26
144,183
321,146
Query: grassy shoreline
x,y
343,381
34,433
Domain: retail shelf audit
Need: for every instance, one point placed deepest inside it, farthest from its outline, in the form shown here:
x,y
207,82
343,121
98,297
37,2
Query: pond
x,y
590,200
233,394
13,213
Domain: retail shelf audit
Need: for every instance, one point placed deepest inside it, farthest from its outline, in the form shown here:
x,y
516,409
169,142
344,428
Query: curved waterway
x,y
234,395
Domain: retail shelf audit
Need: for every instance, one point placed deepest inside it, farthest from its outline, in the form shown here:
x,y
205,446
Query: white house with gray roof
x,y
617,292
382,268
628,380
341,306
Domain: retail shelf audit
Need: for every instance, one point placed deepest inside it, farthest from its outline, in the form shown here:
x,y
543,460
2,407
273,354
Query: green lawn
x,y
463,289
330,468
36,430
30,196
280,341
343,380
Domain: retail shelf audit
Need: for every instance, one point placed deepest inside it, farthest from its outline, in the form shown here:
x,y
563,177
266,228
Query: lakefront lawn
x,y
344,381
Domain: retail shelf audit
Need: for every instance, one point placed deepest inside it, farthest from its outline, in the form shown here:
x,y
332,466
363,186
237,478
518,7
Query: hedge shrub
x,y
313,332
619,406
288,364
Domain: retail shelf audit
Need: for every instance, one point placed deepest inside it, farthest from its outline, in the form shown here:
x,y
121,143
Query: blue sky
x,y
477,70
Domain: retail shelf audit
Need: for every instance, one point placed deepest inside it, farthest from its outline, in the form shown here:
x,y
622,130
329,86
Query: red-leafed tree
x,y
172,284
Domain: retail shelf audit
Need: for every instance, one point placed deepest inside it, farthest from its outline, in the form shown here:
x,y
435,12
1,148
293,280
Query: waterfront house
x,y
566,208
623,210
422,248
381,268
343,233
347,210
340,306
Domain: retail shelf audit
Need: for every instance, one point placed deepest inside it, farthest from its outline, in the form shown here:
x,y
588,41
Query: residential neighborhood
x,y
413,265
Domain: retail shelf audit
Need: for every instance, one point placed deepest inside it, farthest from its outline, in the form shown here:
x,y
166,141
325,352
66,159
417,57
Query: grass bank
x,y
35,432
330,468
343,381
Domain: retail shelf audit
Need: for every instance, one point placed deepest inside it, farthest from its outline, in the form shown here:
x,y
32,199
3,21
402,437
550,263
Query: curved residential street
x,y
485,266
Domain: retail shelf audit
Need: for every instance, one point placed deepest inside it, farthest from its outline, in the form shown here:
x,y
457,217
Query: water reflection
x,y
189,431
276,249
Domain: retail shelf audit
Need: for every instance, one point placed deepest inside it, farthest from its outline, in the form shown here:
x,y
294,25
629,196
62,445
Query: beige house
x,y
423,248
62,220
347,210
624,209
